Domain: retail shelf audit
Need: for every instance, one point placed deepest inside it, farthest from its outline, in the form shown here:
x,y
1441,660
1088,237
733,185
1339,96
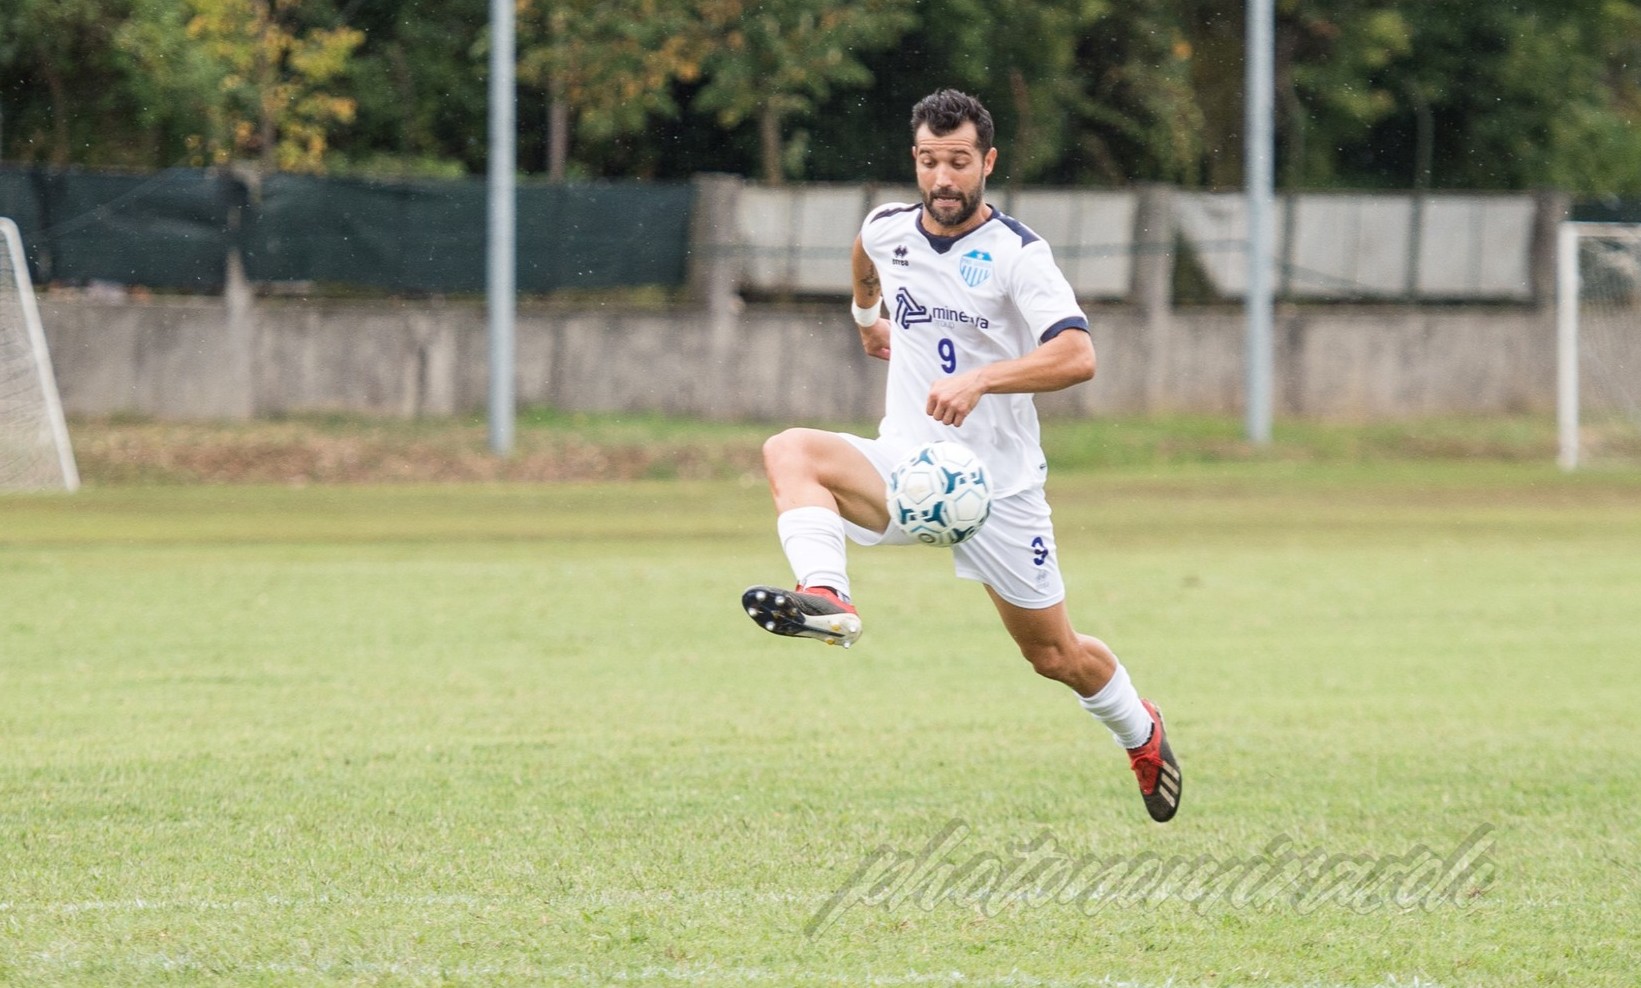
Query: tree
x,y
419,79
170,77
1381,93
63,97
1332,85
1021,58
270,73
1153,103
1526,94
608,63
773,59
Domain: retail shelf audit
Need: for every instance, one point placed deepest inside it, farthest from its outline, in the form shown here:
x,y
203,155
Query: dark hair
x,y
945,110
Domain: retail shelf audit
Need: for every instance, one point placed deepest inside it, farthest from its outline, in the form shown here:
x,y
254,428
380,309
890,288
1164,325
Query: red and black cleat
x,y
1157,769
807,612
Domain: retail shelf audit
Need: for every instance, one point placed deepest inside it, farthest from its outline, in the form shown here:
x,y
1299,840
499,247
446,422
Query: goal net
x,y
34,450
1598,342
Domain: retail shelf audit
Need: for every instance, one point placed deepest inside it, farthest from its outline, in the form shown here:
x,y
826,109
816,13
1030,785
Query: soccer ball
x,y
940,494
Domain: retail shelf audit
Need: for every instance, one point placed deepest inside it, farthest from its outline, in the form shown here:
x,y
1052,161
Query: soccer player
x,y
980,318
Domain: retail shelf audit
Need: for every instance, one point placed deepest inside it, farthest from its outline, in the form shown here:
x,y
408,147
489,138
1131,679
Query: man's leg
x,y
1087,665
813,468
1082,662
817,480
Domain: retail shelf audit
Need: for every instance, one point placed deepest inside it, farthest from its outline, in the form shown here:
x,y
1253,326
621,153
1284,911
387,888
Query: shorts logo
x,y
975,267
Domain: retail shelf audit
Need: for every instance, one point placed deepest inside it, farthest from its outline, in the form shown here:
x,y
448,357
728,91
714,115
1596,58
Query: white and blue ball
x,y
940,494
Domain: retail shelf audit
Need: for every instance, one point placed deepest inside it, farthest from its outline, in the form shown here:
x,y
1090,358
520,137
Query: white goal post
x,y
34,449
1598,338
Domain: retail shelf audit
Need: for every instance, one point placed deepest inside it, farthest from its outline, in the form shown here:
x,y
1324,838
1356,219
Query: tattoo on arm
x,y
864,272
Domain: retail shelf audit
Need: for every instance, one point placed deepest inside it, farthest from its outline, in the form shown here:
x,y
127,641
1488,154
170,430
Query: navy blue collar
x,y
943,244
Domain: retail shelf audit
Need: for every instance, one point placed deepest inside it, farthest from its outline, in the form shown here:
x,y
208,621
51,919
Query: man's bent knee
x,y
812,466
791,454
1050,661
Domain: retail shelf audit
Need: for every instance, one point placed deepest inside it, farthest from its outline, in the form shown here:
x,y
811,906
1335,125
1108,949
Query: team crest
x,y
975,267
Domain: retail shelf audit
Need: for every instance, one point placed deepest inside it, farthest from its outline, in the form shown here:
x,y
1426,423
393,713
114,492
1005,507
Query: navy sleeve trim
x,y
891,211
1027,237
1069,322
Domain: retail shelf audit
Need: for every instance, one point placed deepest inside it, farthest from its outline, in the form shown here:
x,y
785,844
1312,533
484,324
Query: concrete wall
x,y
1334,246
240,356
187,359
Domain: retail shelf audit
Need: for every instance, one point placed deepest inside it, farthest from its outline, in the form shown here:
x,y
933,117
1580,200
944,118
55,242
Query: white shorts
x,y
1013,553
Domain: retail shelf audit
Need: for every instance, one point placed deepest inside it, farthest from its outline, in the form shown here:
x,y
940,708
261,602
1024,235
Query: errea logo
x,y
900,257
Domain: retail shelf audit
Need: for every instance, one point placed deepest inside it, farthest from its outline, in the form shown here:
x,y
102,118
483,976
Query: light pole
x,y
500,272
1258,154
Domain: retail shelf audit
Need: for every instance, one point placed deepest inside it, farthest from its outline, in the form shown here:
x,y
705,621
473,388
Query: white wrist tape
x,y
867,316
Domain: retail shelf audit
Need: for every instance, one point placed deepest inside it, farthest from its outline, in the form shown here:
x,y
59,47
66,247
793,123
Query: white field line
x,y
680,974
618,897
66,960
577,974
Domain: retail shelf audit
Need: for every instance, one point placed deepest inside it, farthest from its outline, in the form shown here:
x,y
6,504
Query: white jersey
x,y
956,303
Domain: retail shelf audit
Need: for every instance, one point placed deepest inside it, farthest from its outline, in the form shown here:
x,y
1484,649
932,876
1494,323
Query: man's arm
x,y
1065,360
874,338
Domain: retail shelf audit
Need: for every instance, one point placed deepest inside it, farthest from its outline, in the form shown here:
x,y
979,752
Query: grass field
x,y
523,734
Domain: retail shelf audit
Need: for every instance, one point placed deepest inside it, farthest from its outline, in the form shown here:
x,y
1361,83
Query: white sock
x,y
813,540
1117,706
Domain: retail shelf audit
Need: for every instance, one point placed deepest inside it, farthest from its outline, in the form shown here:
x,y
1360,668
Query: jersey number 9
x,y
948,355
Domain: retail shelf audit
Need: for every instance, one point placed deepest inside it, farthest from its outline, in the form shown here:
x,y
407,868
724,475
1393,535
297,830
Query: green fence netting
x,y
599,236
168,229
174,229
423,236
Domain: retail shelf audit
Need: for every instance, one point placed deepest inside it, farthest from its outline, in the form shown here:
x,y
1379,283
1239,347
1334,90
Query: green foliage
x,y
419,78
65,93
271,70
614,63
1374,93
1142,111
774,59
1024,62
173,77
1334,87
1522,95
